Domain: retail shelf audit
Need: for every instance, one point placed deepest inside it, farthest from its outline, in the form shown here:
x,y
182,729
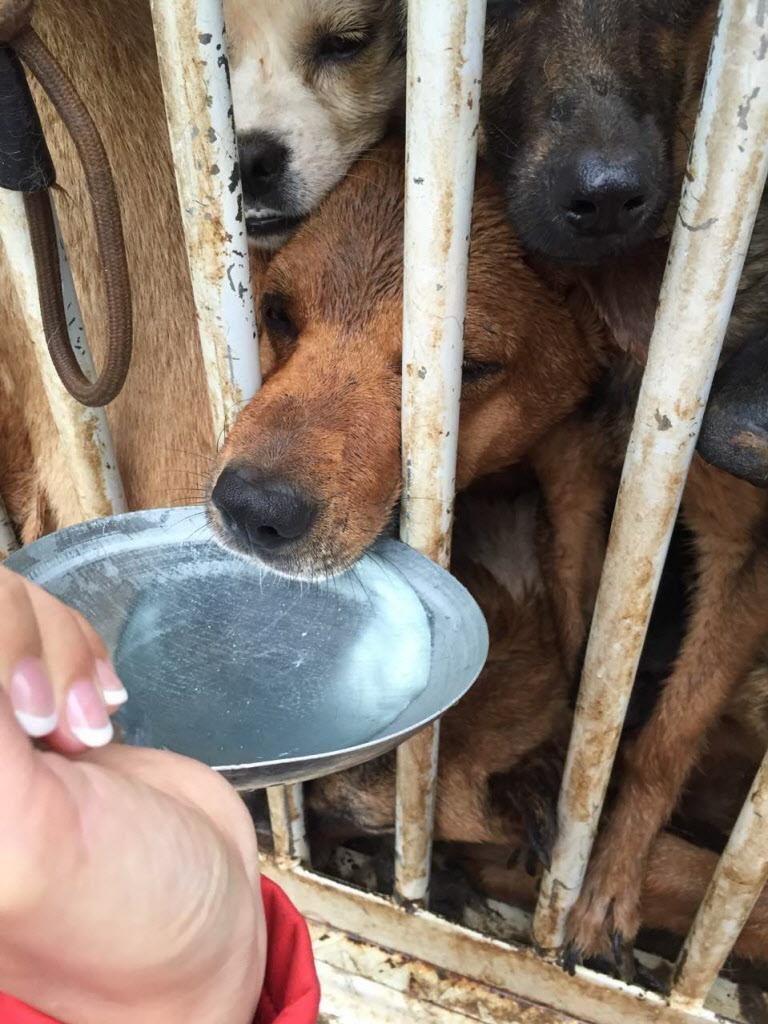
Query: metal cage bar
x,y
726,174
191,49
8,539
445,55
286,817
84,432
735,887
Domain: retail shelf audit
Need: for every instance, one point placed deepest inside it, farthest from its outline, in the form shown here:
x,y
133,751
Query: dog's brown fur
x,y
327,421
162,456
328,416
648,58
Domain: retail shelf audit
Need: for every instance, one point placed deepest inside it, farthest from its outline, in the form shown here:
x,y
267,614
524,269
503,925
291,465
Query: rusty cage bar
x,y
727,172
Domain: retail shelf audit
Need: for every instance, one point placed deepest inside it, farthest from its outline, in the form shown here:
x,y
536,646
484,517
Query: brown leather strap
x,y
16,31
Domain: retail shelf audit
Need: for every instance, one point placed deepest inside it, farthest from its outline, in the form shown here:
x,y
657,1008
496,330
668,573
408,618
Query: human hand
x,y
129,885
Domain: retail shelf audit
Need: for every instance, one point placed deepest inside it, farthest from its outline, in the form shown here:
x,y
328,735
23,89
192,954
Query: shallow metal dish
x,y
265,679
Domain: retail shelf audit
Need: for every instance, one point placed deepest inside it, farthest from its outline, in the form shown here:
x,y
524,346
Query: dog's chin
x,y
293,563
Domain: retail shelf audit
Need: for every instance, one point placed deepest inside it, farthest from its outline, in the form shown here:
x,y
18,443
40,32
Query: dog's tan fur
x,y
728,620
328,415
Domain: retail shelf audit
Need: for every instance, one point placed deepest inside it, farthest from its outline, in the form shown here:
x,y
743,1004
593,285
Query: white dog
x,y
314,84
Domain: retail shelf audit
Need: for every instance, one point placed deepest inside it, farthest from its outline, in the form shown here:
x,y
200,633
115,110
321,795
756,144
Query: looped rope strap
x,y
26,167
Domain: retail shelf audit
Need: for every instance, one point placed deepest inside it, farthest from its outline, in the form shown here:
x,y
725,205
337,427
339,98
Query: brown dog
x,y
311,472
162,456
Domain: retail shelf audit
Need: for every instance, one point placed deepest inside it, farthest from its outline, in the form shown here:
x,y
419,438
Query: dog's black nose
x,y
263,513
263,160
602,196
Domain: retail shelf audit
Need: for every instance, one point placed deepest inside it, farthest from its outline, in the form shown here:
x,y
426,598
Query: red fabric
x,y
291,993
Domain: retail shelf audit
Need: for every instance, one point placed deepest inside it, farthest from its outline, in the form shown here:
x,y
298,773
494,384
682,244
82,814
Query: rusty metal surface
x,y
445,44
286,818
364,983
195,75
512,970
8,540
726,174
737,883
84,433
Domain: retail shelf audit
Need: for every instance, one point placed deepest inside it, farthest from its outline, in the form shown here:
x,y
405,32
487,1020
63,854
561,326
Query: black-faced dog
x,y
587,111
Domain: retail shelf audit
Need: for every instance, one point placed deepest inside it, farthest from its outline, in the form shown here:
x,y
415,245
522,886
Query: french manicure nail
x,y
87,714
114,692
32,698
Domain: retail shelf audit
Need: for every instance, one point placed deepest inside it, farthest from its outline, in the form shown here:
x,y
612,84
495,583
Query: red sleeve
x,y
291,993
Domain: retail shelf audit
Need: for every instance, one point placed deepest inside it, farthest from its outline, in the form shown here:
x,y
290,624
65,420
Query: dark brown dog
x,y
728,615
587,109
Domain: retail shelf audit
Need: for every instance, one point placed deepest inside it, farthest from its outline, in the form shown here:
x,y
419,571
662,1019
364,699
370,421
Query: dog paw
x,y
605,920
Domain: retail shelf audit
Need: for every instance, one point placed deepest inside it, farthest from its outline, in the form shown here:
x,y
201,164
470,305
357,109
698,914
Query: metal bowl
x,y
267,680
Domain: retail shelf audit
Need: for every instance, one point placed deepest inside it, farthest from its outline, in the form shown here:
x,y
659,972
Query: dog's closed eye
x,y
473,370
341,46
277,320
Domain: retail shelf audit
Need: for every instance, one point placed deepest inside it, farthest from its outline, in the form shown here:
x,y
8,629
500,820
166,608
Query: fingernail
x,y
87,714
114,692
32,698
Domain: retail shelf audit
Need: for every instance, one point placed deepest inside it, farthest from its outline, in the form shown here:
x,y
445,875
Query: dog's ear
x,y
625,292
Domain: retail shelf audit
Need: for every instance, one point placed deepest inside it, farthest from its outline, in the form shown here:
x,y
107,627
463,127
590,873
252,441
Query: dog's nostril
x,y
266,164
582,208
268,534
634,203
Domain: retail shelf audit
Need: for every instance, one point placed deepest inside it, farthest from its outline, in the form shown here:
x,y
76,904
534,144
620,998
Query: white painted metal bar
x,y
84,432
191,49
445,54
286,817
727,171
8,541
735,887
